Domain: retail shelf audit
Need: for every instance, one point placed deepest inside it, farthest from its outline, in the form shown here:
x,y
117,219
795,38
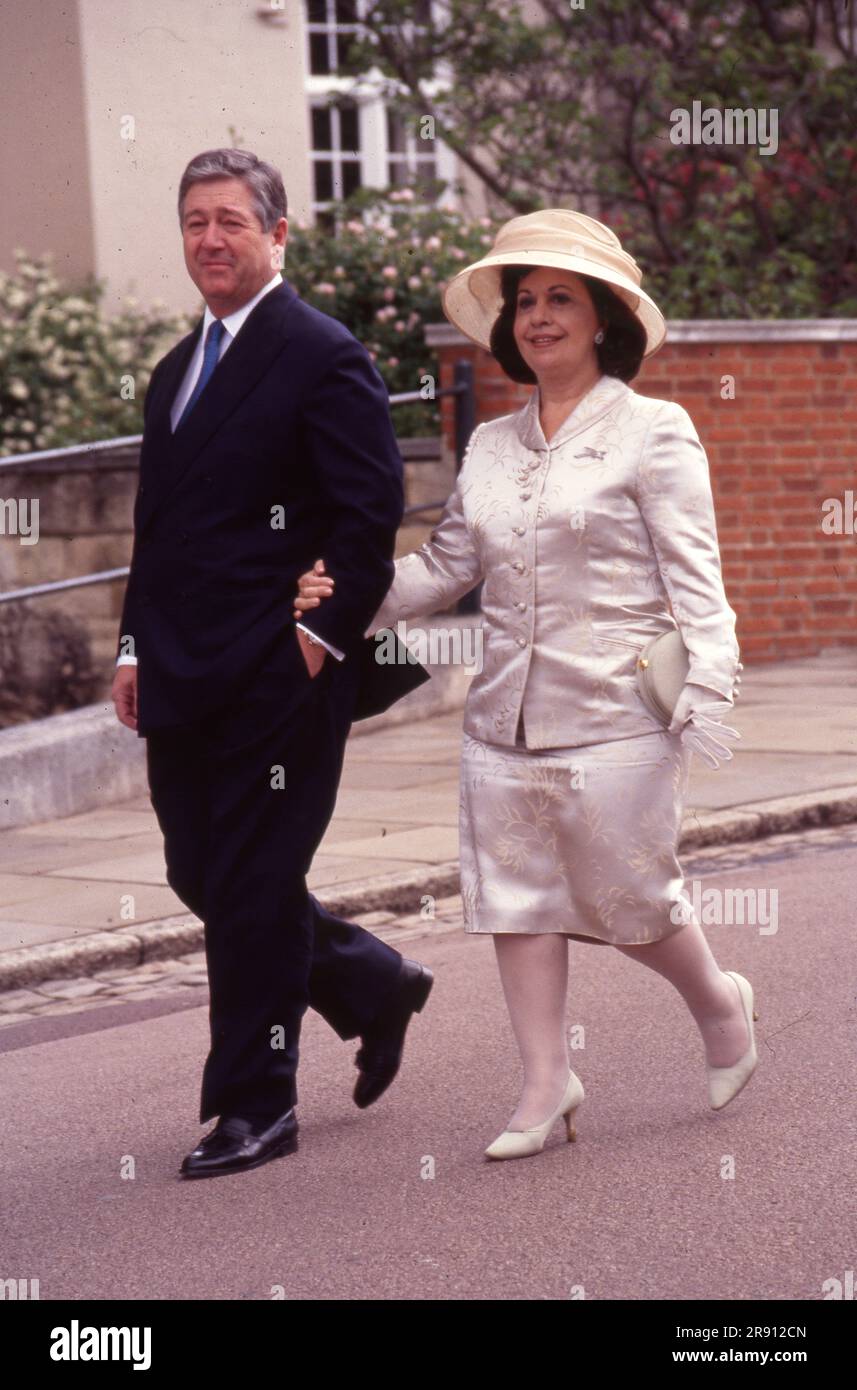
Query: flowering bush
x,y
68,372
381,275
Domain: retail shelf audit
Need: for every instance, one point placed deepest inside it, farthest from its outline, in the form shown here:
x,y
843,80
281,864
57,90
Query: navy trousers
x,y
243,798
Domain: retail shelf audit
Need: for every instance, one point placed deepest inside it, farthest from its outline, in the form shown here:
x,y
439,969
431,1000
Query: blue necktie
x,y
209,362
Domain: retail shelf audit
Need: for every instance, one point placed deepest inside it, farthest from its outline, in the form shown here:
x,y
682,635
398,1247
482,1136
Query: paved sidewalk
x,y
88,892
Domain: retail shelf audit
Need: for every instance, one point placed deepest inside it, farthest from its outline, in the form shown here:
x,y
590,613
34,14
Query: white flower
x,y
399,325
392,361
19,389
339,271
390,272
325,287
414,282
389,293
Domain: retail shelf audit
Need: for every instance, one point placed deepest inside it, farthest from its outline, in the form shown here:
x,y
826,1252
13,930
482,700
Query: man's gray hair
x,y
264,181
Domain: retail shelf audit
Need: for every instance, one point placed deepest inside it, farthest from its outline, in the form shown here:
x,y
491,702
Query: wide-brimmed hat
x,y
552,237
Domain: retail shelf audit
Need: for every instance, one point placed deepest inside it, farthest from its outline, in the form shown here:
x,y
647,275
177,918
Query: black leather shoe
x,y
380,1056
235,1144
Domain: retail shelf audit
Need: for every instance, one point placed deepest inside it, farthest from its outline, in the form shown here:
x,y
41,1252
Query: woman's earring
x,y
599,336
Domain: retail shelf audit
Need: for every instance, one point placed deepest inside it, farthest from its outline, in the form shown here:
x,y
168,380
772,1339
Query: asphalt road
x,y
397,1202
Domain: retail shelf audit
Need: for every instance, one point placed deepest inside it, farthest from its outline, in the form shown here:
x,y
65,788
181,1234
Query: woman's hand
x,y
697,717
312,588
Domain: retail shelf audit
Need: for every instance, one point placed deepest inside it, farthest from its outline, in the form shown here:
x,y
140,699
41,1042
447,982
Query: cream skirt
x,y
580,841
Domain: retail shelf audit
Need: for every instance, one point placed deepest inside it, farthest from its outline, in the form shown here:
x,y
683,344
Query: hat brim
x,y
473,299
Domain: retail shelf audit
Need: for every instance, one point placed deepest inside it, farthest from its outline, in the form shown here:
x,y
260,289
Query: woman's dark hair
x,y
619,355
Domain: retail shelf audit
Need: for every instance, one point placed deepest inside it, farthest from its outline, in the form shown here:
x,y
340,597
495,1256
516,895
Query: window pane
x,y
350,128
397,172
322,180
318,59
317,11
344,44
350,176
326,220
346,12
395,133
426,173
321,128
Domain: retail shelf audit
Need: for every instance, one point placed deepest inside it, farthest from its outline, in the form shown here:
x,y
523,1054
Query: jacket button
x,y
518,567
521,607
522,641
518,530
525,496
140,490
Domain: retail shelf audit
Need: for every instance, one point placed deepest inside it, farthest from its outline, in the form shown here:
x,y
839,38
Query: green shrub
x,y
68,372
382,278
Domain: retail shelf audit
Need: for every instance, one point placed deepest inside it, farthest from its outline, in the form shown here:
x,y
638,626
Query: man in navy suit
x,y
267,443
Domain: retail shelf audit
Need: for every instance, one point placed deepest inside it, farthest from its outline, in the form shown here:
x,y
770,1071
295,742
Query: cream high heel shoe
x,y
520,1143
724,1083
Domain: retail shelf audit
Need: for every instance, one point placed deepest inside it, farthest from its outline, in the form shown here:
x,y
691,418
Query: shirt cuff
x,y
126,661
334,651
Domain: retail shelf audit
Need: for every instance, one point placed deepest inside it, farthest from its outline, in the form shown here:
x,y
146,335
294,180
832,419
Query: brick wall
x,y
785,444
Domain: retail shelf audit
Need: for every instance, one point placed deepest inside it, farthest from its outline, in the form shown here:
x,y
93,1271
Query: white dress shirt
x,y
231,324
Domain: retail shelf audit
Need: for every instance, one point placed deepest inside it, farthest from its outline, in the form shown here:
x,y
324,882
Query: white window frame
x,y
369,94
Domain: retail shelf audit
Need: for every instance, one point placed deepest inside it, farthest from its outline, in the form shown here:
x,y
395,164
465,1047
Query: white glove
x,y
697,717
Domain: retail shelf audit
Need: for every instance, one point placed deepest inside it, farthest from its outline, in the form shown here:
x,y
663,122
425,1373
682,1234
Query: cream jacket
x,y
589,546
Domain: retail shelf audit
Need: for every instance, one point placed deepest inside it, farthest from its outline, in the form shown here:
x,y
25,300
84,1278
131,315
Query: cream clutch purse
x,y
662,668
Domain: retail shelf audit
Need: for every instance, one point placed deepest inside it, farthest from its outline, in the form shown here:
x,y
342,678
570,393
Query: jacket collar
x,y
165,456
597,401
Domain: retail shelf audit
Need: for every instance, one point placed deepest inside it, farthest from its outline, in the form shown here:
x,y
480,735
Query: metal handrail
x,y
97,445
57,585
128,440
464,419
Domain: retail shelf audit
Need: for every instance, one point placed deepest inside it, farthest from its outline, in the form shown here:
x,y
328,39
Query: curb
x,y
397,892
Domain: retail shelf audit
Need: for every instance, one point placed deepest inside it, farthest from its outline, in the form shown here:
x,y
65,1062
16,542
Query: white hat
x,y
552,237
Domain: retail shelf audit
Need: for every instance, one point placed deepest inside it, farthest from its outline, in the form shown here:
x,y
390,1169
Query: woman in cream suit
x,y
588,514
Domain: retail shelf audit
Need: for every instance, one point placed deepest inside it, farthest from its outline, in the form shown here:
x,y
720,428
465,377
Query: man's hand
x,y
313,653
124,693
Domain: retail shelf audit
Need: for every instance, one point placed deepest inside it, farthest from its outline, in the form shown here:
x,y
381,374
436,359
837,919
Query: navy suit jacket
x,y
289,454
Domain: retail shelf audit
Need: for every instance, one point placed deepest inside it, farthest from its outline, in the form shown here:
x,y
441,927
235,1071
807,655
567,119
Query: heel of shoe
x,y
423,989
724,1083
570,1128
